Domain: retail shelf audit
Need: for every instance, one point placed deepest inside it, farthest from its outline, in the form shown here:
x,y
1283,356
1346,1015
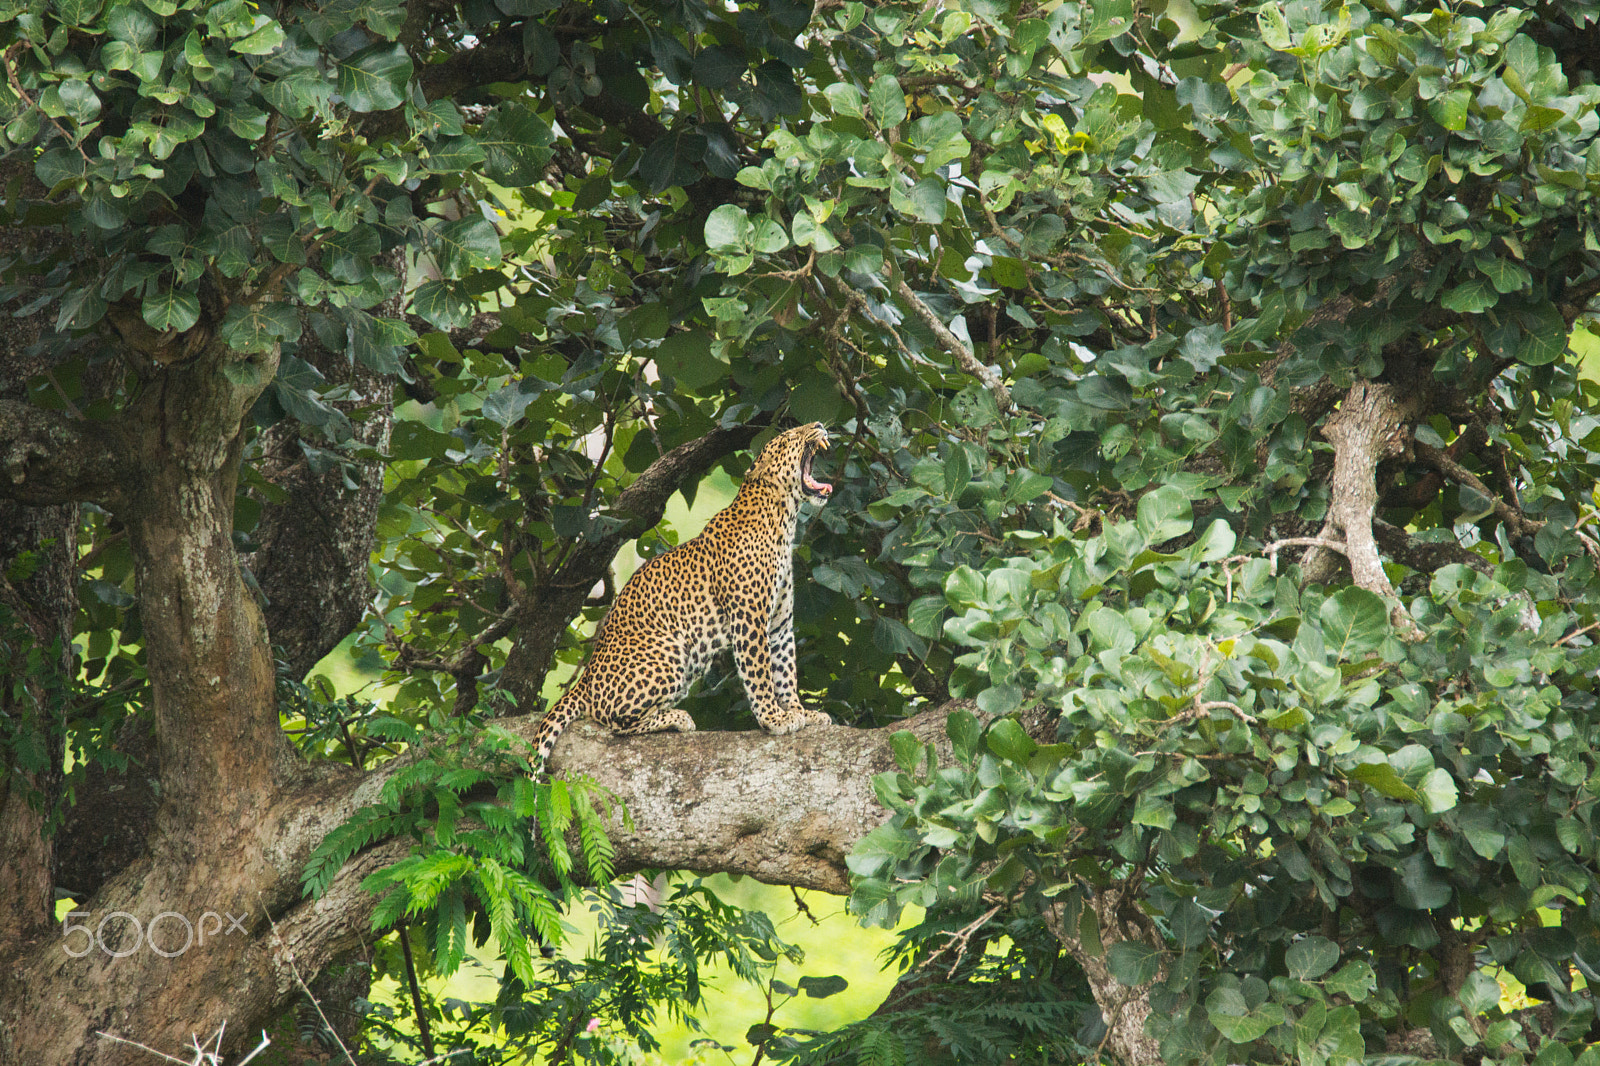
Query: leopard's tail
x,y
556,719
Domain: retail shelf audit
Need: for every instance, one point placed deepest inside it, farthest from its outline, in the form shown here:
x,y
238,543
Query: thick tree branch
x,y
1521,525
785,810
1125,1009
1367,427
1425,557
49,458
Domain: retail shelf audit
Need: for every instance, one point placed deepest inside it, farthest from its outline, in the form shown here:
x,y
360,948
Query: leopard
x,y
730,585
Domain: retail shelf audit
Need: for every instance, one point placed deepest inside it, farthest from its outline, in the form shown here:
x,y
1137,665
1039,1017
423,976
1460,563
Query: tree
x,y
1208,420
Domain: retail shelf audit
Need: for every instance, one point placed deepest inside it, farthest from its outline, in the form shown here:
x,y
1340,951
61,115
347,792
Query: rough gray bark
x,y
315,545
1125,1009
1367,428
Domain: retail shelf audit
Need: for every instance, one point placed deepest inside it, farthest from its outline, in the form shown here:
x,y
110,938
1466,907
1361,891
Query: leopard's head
x,y
786,462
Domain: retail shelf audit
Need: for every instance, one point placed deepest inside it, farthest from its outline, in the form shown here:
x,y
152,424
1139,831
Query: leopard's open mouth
x,y
813,487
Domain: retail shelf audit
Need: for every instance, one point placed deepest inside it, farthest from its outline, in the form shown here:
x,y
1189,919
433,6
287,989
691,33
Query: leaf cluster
x,y
1335,833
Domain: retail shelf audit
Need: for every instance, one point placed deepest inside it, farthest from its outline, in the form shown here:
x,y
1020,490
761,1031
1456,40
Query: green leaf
x,y
249,328
77,101
265,40
823,987
888,101
454,155
845,99
1163,514
925,200
1479,993
882,847
688,359
1471,296
1007,739
907,749
1310,957
672,159
1450,109
728,229
170,309
442,305
1438,791
1133,962
1354,623
965,733
1482,829
1236,1021
1354,980
1544,338
1112,18
1382,777
76,12
1154,811
465,244
1421,885
374,79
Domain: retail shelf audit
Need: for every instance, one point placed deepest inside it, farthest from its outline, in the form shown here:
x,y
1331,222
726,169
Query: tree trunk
x,y
1124,1009
38,597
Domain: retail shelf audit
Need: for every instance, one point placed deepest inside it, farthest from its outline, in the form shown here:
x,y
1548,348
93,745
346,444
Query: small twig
x,y
798,273
1276,546
416,988
961,938
772,1008
142,1047
1238,712
1085,514
1576,633
16,87
800,905
288,957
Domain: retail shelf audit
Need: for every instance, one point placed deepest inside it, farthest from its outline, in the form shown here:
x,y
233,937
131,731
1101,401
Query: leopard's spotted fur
x,y
731,585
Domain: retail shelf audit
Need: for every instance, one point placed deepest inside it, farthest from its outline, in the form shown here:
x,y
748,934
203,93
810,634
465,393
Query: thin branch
x,y
1578,633
961,939
954,345
1443,462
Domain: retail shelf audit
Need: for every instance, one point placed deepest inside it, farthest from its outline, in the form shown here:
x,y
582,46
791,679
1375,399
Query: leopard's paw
x,y
792,720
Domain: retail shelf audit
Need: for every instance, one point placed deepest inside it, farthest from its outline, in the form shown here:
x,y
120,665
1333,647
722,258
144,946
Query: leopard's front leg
x,y
766,662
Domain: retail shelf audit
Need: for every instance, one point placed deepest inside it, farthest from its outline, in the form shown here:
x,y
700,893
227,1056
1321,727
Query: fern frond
x,y
524,797
450,931
880,1047
599,854
390,909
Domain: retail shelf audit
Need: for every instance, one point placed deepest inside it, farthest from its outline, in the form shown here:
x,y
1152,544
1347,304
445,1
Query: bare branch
x,y
1442,461
953,344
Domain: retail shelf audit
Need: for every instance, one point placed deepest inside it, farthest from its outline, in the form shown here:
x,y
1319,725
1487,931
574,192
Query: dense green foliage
x,y
1082,287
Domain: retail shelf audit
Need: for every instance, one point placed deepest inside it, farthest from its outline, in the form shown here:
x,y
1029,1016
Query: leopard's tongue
x,y
812,485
